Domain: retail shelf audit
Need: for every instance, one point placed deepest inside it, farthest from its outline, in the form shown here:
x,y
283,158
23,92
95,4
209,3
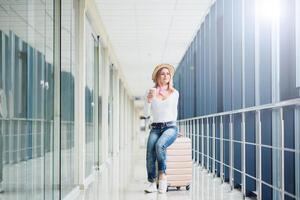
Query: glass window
x,y
90,67
26,100
68,65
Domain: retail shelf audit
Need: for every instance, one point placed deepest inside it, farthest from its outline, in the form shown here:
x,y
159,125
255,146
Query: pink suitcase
x,y
179,163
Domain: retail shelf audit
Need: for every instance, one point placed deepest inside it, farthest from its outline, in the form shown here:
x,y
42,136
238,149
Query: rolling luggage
x,y
179,163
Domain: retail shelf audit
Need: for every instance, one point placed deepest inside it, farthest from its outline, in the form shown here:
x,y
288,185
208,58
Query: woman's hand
x,y
151,94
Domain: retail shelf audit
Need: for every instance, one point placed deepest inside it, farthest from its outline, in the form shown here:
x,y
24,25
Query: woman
x,y
163,100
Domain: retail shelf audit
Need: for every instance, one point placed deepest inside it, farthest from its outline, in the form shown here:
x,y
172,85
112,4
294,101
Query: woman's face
x,y
164,76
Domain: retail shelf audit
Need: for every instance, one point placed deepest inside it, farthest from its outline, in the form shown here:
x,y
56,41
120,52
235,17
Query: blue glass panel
x,y
237,55
289,172
250,159
266,127
265,62
249,49
219,52
202,66
266,192
288,89
213,59
227,56
266,164
250,127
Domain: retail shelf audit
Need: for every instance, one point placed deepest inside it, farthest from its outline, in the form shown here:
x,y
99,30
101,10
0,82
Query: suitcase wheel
x,y
187,187
178,188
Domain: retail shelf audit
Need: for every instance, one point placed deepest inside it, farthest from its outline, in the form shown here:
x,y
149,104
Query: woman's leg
x,y
151,154
165,140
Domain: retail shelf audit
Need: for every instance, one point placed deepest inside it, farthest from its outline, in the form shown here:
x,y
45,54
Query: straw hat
x,y
158,67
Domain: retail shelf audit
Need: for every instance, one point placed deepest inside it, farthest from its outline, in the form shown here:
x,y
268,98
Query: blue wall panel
x,y
227,56
237,55
212,81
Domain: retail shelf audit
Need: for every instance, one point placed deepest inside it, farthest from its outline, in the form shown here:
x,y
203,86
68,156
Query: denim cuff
x,y
151,180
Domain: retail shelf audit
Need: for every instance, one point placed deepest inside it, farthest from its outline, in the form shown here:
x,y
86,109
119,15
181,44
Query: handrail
x,y
250,109
33,120
199,130
25,119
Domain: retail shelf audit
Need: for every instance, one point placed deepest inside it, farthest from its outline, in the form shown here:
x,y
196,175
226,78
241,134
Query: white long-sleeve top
x,y
162,110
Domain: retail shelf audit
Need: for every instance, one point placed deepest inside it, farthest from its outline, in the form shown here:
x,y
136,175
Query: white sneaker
x,y
151,187
163,185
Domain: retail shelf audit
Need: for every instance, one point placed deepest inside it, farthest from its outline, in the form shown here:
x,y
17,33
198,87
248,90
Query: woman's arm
x,y
147,106
175,104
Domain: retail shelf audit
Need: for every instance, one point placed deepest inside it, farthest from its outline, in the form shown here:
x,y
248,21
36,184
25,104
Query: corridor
x,y
83,83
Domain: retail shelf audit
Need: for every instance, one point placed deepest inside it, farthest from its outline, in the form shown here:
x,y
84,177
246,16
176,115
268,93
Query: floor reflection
x,y
117,182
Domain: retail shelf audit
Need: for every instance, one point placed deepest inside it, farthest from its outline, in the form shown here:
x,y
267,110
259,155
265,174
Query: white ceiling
x,y
145,33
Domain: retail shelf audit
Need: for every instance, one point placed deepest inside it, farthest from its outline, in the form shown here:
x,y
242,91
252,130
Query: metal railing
x,y
209,142
23,139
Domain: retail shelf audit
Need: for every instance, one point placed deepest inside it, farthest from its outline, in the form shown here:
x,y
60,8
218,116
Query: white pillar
x,y
105,87
80,96
116,117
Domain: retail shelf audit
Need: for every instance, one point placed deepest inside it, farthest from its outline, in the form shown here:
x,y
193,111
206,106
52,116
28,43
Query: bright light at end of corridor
x,y
268,9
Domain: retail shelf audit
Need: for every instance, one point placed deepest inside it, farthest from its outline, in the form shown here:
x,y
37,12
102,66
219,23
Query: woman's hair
x,y
170,84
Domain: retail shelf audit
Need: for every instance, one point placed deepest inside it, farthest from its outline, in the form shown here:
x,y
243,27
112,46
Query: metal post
x,y
258,155
213,147
282,151
231,153
207,147
221,150
194,138
243,157
198,143
185,129
190,129
202,143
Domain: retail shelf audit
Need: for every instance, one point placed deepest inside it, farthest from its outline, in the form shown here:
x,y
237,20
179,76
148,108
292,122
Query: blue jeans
x,y
161,136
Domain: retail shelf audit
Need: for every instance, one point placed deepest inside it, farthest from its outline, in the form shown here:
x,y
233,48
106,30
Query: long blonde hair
x,y
170,84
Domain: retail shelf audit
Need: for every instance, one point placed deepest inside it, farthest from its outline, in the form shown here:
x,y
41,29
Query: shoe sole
x,y
146,191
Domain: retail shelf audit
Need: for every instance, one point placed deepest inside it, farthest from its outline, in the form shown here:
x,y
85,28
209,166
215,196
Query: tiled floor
x,y
113,185
124,178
